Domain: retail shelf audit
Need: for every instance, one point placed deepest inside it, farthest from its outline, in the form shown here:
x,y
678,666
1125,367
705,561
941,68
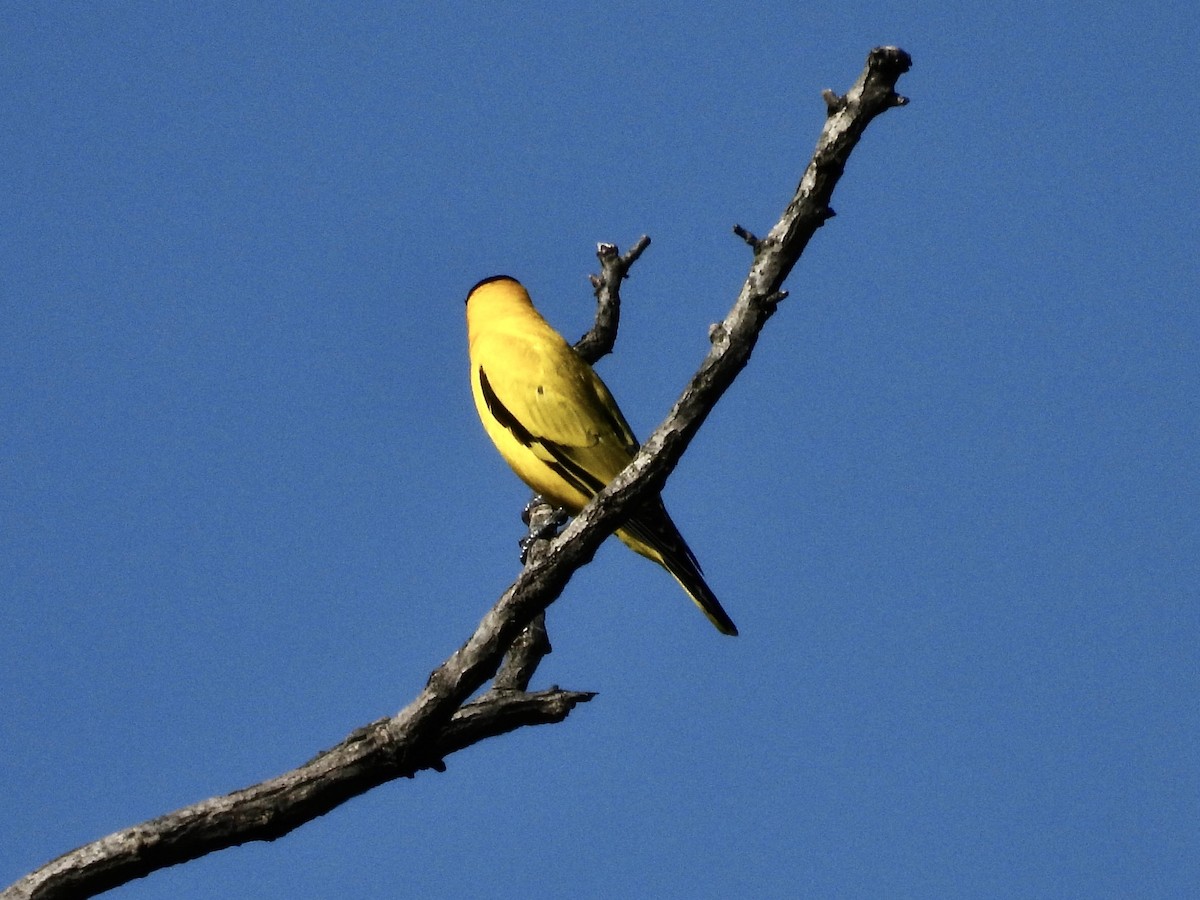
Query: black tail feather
x,y
652,526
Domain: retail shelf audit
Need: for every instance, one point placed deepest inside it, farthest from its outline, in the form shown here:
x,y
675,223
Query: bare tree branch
x,y
614,267
440,720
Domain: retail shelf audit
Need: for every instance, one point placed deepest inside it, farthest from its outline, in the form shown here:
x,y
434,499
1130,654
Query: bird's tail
x,y
651,533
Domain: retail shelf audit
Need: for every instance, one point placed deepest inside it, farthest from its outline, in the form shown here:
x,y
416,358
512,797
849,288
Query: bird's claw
x,y
542,526
534,502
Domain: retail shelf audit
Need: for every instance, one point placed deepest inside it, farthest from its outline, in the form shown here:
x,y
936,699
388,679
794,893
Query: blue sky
x,y
246,506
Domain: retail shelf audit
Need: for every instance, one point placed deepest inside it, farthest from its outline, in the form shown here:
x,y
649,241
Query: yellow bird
x,y
556,424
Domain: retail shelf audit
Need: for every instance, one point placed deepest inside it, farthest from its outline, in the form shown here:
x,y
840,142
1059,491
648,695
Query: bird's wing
x,y
556,406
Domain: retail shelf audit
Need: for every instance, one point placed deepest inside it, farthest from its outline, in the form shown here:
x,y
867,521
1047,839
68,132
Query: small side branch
x,y
614,267
748,236
368,757
524,656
